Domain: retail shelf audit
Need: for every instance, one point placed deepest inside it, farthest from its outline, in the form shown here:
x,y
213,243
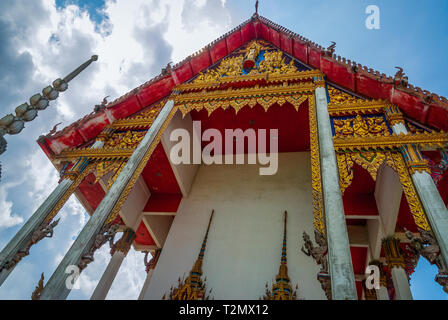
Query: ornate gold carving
x,y
396,162
318,206
358,107
345,167
265,101
127,139
386,143
414,159
337,97
192,288
273,63
392,250
359,126
372,161
394,115
281,289
250,78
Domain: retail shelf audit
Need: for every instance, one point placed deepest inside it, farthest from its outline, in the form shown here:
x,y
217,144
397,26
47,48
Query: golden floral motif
x,y
316,178
337,96
359,126
273,63
372,161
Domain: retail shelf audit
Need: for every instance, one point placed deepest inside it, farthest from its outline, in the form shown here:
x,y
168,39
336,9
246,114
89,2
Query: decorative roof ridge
x,y
426,96
177,65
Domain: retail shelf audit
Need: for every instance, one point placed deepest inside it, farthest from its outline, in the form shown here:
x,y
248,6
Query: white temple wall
x,y
244,245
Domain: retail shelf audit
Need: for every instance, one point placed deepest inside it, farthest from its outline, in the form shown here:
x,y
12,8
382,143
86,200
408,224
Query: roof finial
x,y
256,7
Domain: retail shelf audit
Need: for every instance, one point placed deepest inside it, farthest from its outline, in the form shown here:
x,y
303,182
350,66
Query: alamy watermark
x,y
212,153
373,18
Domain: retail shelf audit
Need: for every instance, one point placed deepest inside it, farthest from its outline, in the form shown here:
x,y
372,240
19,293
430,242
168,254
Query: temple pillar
x,y
56,286
381,292
118,252
37,225
149,270
396,265
339,258
432,202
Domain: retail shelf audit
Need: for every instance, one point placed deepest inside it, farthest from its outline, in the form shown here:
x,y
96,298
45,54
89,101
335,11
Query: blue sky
x,y
46,39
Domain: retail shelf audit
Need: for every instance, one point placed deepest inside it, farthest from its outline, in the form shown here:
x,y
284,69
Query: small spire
x,y
256,7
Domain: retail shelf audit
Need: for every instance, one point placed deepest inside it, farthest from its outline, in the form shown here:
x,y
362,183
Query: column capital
x,y
319,81
392,250
394,115
414,159
124,244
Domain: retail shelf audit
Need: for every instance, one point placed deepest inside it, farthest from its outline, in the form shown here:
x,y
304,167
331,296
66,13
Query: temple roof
x,y
420,105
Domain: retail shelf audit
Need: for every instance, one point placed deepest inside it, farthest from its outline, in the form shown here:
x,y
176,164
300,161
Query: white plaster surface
x,y
244,245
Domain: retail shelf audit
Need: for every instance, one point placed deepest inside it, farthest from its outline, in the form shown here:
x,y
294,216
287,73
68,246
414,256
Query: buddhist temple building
x,y
346,172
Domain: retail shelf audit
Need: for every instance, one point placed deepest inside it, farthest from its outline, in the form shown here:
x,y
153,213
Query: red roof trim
x,y
427,108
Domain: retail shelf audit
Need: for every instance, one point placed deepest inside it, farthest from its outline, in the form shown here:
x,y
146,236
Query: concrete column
x,y
395,262
56,286
146,284
382,294
119,252
432,202
340,263
22,238
401,284
103,286
435,209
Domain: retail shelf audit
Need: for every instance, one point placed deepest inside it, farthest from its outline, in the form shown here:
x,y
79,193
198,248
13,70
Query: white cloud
x,y
41,43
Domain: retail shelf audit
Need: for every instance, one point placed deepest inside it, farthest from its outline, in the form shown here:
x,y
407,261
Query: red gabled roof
x,y
420,105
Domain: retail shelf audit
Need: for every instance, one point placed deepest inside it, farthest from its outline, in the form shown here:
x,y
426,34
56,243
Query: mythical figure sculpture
x,y
427,247
400,80
39,288
107,234
330,50
44,231
101,106
319,252
319,255
360,126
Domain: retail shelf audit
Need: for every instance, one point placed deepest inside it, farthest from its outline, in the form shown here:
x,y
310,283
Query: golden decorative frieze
x,y
237,104
272,62
264,77
359,107
248,92
385,143
360,126
102,154
316,177
339,97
